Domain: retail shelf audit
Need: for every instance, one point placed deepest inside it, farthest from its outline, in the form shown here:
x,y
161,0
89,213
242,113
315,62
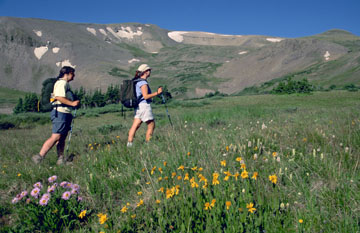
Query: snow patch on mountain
x,y
125,32
133,60
56,50
102,31
274,39
65,63
177,36
243,52
91,30
327,55
38,33
40,51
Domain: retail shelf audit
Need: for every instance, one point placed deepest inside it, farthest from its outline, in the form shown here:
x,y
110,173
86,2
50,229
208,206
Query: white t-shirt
x,y
60,88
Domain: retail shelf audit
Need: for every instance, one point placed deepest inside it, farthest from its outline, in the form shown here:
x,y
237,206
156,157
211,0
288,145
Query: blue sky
x,y
283,18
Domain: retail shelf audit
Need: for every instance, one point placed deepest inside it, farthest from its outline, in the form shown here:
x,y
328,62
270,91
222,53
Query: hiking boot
x,y
37,158
60,161
129,144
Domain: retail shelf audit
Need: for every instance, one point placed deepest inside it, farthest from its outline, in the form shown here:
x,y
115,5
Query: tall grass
x,y
309,143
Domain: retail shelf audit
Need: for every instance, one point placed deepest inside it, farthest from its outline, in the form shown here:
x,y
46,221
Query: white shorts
x,y
144,112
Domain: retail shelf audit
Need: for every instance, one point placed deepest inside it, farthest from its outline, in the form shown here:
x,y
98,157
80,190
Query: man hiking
x,y
143,113
61,116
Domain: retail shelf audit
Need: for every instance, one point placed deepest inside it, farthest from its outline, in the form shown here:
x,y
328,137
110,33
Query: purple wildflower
x,y
15,200
69,185
24,194
46,196
38,185
43,201
52,179
28,201
76,186
74,191
66,195
63,184
51,189
35,192
79,199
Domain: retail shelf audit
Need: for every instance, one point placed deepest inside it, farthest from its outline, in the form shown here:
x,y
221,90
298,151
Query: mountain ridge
x,y
195,62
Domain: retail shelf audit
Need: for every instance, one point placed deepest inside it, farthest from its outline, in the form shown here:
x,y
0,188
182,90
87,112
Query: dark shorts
x,y
61,122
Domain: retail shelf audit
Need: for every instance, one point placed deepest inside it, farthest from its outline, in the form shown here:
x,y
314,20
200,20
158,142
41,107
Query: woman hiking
x,y
143,113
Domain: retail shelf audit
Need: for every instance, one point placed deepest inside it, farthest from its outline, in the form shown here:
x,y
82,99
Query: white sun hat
x,y
143,68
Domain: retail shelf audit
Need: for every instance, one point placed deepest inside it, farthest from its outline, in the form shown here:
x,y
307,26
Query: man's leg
x,y
49,143
60,149
150,129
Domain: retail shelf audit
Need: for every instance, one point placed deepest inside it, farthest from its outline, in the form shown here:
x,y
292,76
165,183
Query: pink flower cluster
x,y
35,192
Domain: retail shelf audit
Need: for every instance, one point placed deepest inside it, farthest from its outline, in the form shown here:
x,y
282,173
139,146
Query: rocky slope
x,y
189,63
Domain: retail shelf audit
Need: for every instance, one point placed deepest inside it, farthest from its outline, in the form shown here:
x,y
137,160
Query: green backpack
x,y
47,89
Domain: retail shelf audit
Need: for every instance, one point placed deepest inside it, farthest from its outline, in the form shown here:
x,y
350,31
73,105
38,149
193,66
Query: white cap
x,y
143,68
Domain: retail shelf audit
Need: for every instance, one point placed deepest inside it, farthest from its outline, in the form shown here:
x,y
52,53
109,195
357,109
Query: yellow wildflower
x,y
160,170
82,214
160,179
194,168
213,203
173,174
228,204
226,178
243,166
250,207
19,174
157,201
273,178
141,202
207,206
215,180
179,178
102,218
188,153
165,163
133,216
301,221
186,176
223,163
200,169
139,193
124,209
244,174
227,148
238,159
274,154
236,175
161,189
181,168
255,175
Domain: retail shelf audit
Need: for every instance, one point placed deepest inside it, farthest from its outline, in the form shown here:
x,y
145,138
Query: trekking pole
x,y
167,112
71,127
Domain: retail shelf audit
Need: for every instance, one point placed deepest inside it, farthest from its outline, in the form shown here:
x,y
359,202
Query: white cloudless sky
x,y
283,18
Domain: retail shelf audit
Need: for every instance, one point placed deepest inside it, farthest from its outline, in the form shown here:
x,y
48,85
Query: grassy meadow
x,y
261,163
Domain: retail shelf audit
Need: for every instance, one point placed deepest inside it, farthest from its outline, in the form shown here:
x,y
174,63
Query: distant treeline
x,y
91,99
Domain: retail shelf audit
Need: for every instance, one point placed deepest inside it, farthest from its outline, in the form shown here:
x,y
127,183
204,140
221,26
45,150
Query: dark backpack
x,y
128,93
47,88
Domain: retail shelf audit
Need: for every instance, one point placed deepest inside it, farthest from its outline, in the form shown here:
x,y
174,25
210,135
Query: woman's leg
x,y
150,129
136,124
